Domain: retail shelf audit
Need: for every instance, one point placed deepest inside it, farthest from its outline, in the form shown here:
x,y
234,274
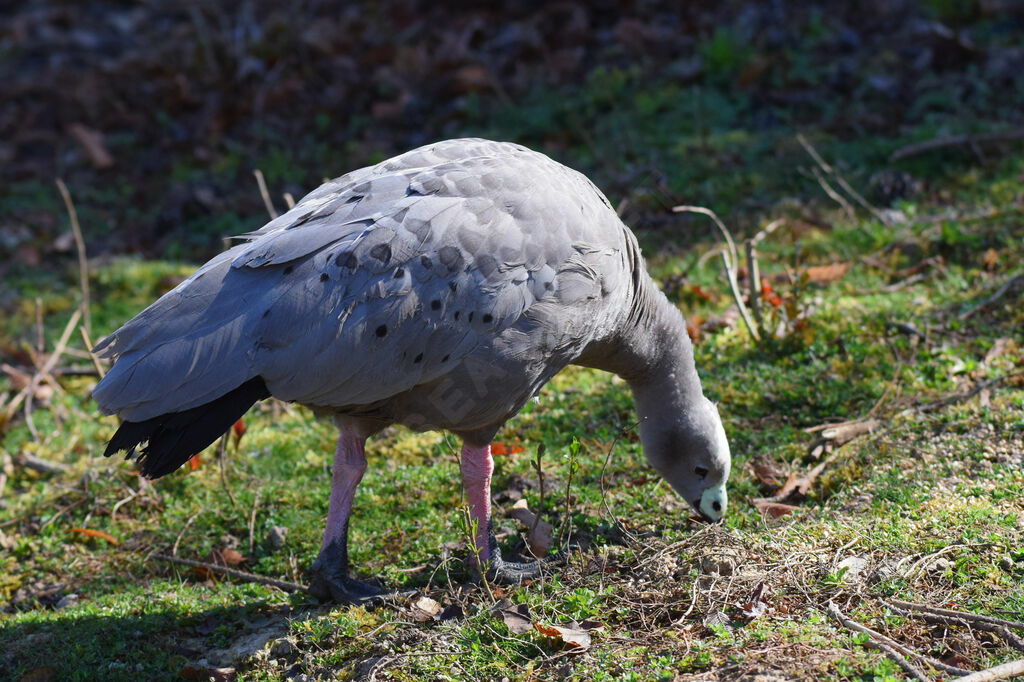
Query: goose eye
x,y
701,471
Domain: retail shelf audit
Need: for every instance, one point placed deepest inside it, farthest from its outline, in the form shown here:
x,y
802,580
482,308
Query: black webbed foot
x,y
504,572
329,579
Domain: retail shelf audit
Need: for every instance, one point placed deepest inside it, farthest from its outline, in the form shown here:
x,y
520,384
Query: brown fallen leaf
x,y
424,609
755,606
516,618
767,473
773,509
228,557
824,274
573,636
92,141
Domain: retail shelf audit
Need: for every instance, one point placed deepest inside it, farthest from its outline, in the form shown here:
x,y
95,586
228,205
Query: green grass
x,y
932,501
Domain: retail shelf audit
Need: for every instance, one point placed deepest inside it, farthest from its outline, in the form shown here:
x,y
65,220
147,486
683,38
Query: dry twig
x,y
1011,283
264,193
999,672
954,141
83,265
234,573
880,642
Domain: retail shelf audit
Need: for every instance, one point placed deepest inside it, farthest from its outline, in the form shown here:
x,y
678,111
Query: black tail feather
x,y
171,439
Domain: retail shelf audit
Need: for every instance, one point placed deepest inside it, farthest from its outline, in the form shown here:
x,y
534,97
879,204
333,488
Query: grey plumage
x,y
439,289
464,255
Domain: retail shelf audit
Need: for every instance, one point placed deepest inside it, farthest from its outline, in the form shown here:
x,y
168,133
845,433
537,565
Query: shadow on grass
x,y
80,644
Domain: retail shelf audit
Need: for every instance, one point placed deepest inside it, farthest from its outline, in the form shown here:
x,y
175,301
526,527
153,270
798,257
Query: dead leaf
x,y
92,141
95,534
573,636
193,462
772,509
517,619
990,260
825,274
755,606
424,609
228,557
541,535
501,449
700,292
767,473
693,324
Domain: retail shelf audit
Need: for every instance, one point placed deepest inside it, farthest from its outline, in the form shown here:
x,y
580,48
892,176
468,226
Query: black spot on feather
x,y
399,273
347,260
288,269
426,262
456,314
435,304
453,286
418,358
382,331
382,252
445,358
324,277
486,318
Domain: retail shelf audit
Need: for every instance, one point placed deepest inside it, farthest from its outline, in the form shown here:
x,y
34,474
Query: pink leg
x,y
477,466
347,471
329,573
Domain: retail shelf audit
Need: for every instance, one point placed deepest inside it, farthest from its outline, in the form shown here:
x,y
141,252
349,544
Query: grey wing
x,y
371,285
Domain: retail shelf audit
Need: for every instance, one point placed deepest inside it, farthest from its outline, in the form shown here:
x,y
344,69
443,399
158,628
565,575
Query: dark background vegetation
x,y
660,102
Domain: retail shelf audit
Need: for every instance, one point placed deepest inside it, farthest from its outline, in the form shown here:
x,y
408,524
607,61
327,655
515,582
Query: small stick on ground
x,y
999,672
1014,281
954,141
264,193
289,200
960,615
960,397
83,264
968,620
234,573
875,641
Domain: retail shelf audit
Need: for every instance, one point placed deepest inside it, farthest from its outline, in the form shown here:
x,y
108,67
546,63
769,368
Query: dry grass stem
x,y
265,194
88,347
83,265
